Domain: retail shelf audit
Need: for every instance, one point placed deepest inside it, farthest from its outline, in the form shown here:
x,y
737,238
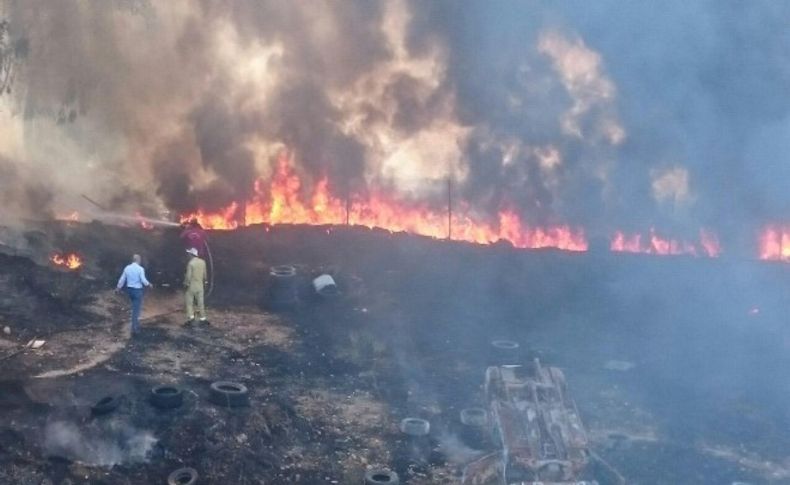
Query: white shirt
x,y
133,276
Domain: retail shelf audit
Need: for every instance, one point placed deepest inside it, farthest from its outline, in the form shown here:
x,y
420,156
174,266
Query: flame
x,y
71,261
774,243
280,201
708,244
73,217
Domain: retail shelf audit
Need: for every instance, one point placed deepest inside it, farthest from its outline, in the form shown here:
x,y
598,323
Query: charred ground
x,y
704,400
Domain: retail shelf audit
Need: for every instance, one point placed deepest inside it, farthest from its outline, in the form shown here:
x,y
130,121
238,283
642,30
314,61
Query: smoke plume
x,y
601,115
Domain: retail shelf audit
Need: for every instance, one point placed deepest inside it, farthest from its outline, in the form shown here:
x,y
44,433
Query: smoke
x,y
451,446
599,115
99,445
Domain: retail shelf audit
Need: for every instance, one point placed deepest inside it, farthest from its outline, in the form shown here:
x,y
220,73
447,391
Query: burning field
x,y
448,242
670,384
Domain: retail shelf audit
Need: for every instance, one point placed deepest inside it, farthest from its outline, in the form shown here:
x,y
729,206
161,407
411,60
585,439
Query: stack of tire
x,y
474,427
283,292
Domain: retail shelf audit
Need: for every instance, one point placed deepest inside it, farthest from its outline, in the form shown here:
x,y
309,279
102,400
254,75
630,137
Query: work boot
x,y
189,322
204,321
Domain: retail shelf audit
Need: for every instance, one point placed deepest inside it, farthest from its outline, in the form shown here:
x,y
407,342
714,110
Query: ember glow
x,y
282,201
70,261
653,243
774,243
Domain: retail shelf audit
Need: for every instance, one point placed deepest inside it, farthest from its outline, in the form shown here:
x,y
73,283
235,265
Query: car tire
x,y
183,476
229,394
167,397
381,477
106,405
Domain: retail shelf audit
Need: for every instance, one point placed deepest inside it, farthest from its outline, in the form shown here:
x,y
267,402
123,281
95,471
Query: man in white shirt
x,y
133,280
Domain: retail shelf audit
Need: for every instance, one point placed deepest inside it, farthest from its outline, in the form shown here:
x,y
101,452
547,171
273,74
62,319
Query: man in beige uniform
x,y
194,281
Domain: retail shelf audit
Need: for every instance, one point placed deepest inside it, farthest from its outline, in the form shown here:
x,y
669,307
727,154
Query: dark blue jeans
x,y
136,297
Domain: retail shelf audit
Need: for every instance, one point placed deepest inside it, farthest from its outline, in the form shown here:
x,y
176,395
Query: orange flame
x,y
73,217
775,243
71,261
282,202
708,244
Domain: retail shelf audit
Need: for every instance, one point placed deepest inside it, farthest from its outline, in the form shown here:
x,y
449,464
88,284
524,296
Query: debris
x,y
619,365
7,330
36,344
325,285
538,426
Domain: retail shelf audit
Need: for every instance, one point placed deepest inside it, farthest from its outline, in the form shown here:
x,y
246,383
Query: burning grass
x,y
282,200
70,261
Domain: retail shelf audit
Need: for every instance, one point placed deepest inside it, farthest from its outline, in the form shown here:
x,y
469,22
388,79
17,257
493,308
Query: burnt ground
x,y
678,365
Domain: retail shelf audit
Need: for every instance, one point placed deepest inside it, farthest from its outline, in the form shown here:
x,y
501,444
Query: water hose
x,y
210,270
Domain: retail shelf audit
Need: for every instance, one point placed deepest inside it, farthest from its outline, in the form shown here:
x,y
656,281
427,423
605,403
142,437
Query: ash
x,y
675,376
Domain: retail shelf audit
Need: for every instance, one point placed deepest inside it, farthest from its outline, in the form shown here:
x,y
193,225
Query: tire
x,y
475,417
229,394
106,405
504,344
505,352
283,287
415,427
381,477
474,427
167,397
183,476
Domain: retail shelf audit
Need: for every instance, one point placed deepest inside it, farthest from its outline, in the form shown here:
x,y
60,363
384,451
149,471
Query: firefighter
x,y
194,282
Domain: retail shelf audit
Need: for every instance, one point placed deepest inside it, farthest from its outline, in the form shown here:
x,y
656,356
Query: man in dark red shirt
x,y
193,236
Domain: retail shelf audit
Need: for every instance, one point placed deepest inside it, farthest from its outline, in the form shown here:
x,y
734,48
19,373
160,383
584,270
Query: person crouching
x,y
194,282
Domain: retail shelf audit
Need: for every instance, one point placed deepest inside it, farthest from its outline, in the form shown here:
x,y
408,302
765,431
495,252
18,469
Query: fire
x,y
71,261
774,243
708,244
281,201
73,217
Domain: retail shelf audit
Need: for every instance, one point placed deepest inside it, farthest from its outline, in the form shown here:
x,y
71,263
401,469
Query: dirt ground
x,y
408,336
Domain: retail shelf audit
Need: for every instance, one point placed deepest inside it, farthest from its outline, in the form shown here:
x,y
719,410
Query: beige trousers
x,y
194,295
